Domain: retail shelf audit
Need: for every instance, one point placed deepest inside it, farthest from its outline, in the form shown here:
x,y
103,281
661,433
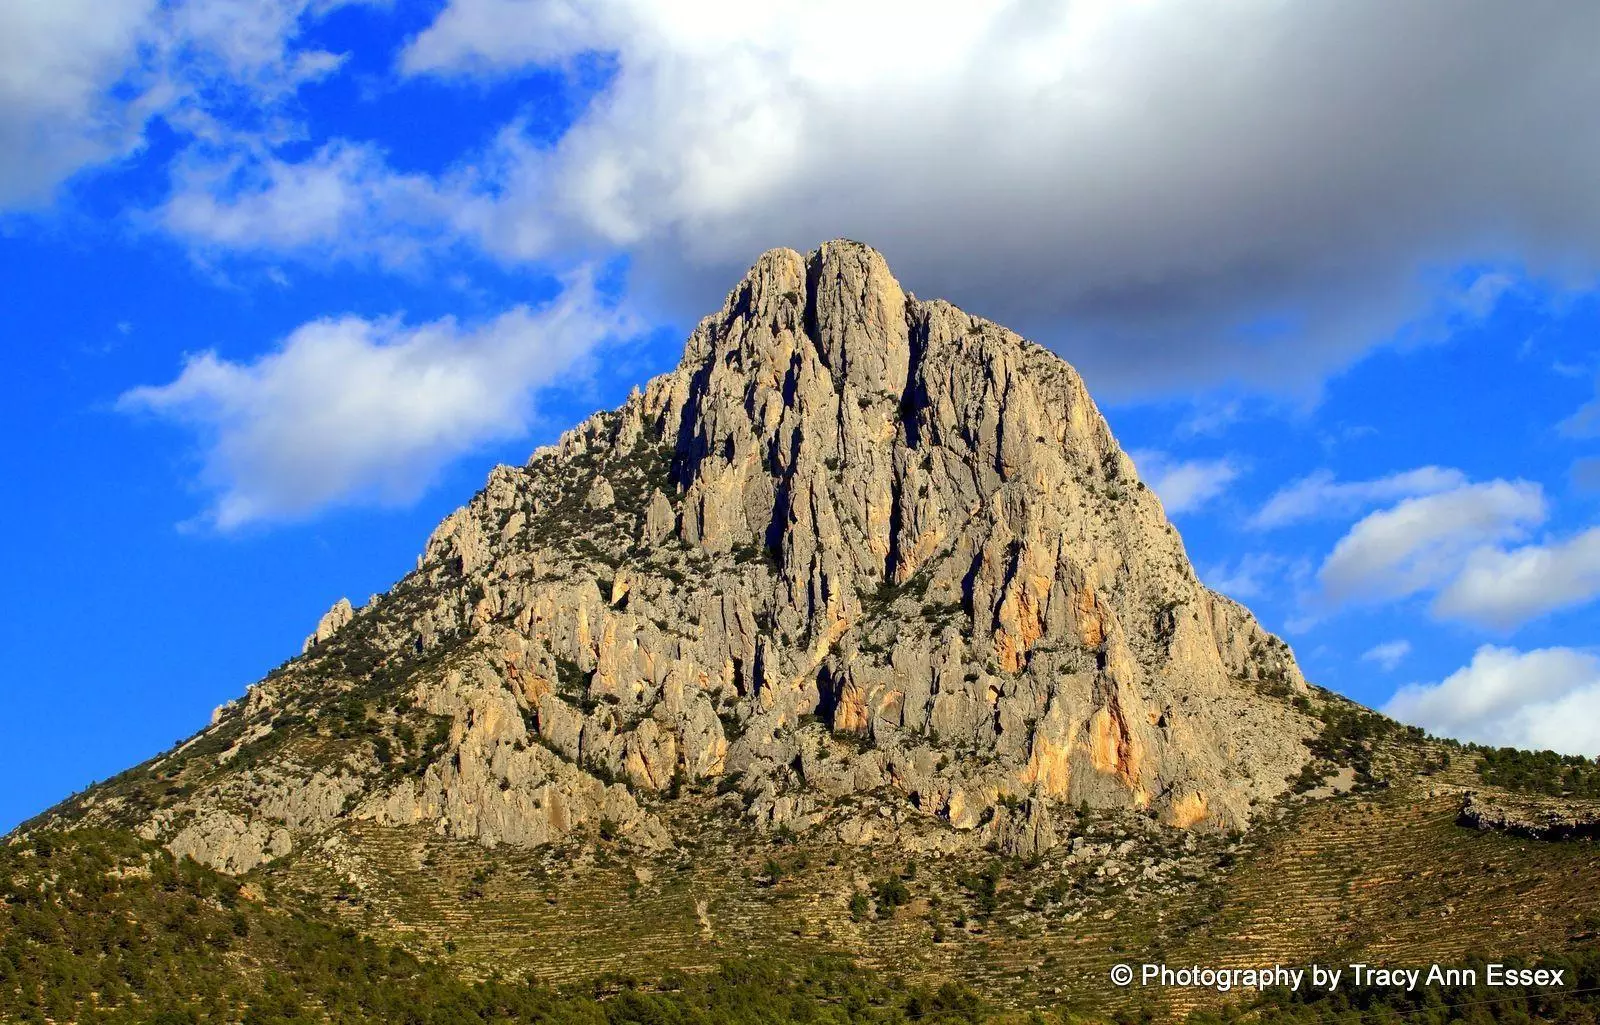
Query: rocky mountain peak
x,y
841,302
856,543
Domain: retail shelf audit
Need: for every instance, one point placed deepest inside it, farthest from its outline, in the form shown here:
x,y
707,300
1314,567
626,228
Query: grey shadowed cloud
x,y
1168,192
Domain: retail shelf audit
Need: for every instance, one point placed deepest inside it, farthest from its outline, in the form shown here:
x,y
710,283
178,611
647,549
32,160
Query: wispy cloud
x,y
1250,577
342,201
83,78
1585,473
1212,418
1321,496
1584,422
1483,294
1388,655
1184,485
61,61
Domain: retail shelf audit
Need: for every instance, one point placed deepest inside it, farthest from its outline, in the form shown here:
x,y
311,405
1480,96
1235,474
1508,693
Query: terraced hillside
x,y
99,926
1385,874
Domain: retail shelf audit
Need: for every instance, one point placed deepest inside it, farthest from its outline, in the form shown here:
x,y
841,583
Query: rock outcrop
x,y
856,542
330,624
1533,817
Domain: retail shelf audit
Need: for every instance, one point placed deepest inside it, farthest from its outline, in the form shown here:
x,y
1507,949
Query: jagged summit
x,y
856,543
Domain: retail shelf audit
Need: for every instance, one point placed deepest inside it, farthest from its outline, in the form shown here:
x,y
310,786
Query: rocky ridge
x,y
857,544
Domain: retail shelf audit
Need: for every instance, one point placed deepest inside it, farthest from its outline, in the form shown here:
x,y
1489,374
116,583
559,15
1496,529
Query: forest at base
x,y
101,926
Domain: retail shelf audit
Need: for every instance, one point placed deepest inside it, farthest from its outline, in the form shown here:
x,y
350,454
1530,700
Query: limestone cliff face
x,y
854,542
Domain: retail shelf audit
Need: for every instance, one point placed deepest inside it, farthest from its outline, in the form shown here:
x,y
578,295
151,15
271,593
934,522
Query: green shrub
x,y
1540,772
890,893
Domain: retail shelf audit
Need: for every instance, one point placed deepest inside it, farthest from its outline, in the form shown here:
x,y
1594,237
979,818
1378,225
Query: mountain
x,y
855,633
855,542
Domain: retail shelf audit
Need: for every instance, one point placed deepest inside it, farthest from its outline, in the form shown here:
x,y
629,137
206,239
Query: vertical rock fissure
x,y
812,327
689,451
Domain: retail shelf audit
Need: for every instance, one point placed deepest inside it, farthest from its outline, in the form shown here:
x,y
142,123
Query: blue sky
x,y
285,278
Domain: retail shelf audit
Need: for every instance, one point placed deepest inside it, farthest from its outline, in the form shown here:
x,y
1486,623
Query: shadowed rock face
x,y
854,542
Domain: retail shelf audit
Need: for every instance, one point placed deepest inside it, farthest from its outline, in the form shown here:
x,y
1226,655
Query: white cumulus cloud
x,y
352,409
1548,698
1502,588
1422,543
1184,485
1320,495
